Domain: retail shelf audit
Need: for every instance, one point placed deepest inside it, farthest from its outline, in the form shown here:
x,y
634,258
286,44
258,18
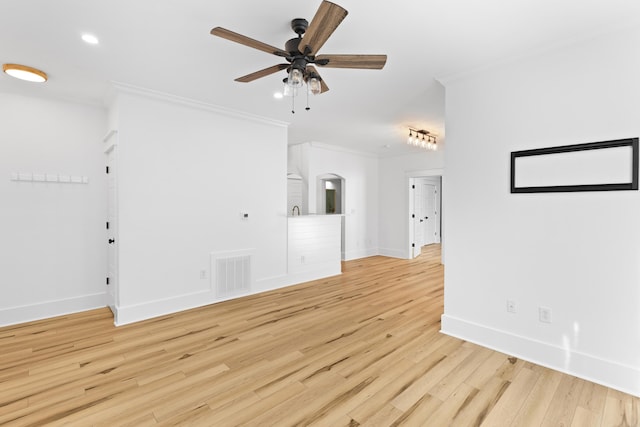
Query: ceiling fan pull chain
x,y
307,108
293,103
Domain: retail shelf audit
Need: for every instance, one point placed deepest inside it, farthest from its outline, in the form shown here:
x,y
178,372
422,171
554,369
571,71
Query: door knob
x,y
112,241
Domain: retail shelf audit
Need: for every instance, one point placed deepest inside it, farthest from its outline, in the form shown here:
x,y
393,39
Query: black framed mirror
x,y
595,166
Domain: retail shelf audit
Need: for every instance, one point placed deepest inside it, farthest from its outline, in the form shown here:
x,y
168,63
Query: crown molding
x,y
117,87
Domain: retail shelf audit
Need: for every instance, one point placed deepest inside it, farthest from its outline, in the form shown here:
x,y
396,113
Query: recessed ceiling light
x,y
91,39
24,72
278,95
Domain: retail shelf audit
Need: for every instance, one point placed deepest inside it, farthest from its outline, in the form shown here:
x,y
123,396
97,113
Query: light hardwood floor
x,y
360,349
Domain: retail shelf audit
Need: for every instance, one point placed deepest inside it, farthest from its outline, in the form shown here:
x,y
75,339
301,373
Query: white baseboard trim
x,y
364,253
138,312
135,313
274,283
47,309
394,253
308,276
605,372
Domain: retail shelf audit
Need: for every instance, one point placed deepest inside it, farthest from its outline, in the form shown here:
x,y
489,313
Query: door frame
x,y
417,240
432,219
409,178
113,288
321,203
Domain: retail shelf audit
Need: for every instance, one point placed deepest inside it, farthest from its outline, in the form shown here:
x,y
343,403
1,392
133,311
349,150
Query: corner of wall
x,y
605,372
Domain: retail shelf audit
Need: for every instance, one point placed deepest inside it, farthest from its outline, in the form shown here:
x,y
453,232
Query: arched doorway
x,y
330,194
330,200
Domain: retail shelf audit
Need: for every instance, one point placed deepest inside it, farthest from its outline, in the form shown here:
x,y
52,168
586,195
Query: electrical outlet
x,y
203,274
511,306
544,314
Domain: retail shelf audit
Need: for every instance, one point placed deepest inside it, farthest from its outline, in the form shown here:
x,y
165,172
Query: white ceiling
x,y
165,45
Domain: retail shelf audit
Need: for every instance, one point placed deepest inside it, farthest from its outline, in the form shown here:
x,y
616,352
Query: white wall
x,y
298,164
576,253
314,247
185,175
53,255
360,172
394,197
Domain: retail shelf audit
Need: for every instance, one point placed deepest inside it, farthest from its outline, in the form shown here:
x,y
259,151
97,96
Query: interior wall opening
x,y
425,219
330,191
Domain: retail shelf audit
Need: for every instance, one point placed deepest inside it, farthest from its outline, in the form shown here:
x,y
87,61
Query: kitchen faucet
x,y
293,211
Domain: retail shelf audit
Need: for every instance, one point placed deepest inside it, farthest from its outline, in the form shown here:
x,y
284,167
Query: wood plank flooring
x,y
360,349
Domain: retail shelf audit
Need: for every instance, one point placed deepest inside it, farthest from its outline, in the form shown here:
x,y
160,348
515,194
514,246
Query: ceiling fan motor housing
x,y
291,46
299,26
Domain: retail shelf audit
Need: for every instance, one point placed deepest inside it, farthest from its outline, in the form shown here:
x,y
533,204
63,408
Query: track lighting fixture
x,y
422,138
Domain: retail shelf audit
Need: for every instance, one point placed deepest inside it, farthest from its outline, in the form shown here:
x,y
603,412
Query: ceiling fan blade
x,y
323,24
373,62
247,41
261,73
323,85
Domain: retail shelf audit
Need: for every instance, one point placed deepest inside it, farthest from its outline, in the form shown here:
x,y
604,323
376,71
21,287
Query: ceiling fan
x,y
301,53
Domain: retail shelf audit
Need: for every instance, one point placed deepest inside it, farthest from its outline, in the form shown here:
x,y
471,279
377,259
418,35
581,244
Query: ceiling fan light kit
x,y
314,85
301,52
296,75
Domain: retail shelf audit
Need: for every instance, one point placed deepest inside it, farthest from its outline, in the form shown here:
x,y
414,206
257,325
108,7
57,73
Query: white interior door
x,y
429,213
112,231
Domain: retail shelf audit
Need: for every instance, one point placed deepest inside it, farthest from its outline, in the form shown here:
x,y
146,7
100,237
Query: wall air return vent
x,y
231,273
